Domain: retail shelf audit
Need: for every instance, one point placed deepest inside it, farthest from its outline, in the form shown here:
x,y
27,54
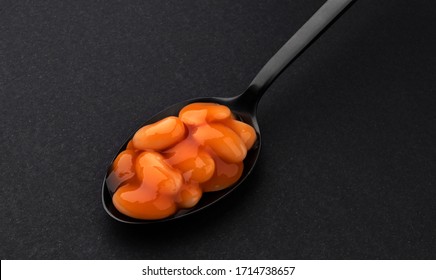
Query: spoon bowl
x,y
242,110
243,106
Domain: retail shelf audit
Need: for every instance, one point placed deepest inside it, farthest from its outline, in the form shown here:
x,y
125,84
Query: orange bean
x,y
130,145
142,203
160,135
200,113
154,172
245,132
223,141
189,195
198,168
123,169
226,174
195,164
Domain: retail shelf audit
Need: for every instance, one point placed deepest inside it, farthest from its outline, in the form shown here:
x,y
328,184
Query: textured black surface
x,y
348,166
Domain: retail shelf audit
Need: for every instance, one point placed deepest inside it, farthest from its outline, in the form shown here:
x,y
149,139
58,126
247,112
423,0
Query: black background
x,y
348,161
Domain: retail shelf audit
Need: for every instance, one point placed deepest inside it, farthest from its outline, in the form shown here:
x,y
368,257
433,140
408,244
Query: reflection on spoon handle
x,y
295,46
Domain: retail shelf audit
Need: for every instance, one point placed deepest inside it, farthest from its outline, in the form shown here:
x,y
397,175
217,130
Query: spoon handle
x,y
295,46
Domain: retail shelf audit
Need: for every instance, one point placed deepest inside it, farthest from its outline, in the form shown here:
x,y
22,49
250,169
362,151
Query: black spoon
x,y
244,106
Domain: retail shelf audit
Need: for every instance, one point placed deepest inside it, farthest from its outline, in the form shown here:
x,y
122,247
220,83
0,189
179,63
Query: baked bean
x,y
123,169
244,131
200,113
222,140
226,174
189,195
141,202
154,172
160,135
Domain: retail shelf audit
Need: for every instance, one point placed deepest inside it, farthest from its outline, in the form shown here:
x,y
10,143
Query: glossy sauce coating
x,y
169,164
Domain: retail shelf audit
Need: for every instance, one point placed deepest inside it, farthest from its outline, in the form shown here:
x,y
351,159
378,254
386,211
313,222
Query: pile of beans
x,y
169,164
